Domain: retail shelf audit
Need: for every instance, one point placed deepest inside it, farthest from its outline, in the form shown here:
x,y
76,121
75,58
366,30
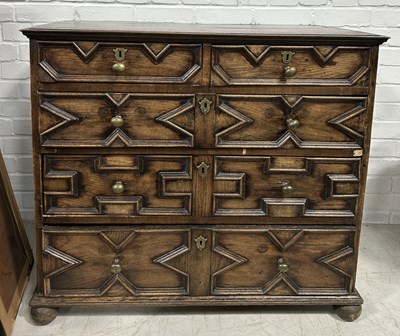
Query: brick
x,y
8,89
43,13
396,185
274,16
284,2
239,15
382,202
386,130
24,164
342,16
134,1
196,2
21,182
313,2
8,52
6,13
22,127
16,109
253,2
6,127
11,31
379,166
389,56
375,217
28,201
372,2
11,163
15,70
394,218
164,14
378,185
225,2
344,3
398,149
106,12
394,34
387,93
171,2
24,54
389,75
29,215
24,90
386,17
17,145
393,3
387,112
383,148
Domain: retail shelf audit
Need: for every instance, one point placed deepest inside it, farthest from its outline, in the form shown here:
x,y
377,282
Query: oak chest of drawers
x,y
199,165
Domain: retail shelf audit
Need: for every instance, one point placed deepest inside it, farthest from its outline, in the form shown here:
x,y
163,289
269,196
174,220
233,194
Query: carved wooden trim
x,y
290,107
302,204
117,278
117,135
259,59
138,208
145,49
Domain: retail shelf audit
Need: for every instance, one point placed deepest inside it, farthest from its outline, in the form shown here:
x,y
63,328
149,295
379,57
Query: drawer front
x,y
308,65
152,63
277,186
277,121
131,262
114,261
117,185
116,120
282,262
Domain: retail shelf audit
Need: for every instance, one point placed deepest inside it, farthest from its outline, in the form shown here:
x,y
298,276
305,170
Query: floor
x,y
378,282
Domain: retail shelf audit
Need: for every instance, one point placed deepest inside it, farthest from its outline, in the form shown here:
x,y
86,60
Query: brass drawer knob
x,y
287,189
117,121
118,187
292,124
282,265
116,266
118,67
289,71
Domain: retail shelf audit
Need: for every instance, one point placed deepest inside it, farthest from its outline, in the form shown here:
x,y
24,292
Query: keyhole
x,y
203,171
120,53
286,57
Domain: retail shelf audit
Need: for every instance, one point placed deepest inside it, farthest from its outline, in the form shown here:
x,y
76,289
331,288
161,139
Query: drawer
x,y
116,120
153,63
113,261
282,262
117,185
278,121
289,65
286,187
132,262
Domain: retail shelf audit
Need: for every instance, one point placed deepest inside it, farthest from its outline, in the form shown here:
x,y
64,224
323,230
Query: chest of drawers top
x,y
203,55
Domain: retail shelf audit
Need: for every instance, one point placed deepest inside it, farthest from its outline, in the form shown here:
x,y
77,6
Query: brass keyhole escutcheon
x,y
205,105
287,56
200,242
202,169
120,53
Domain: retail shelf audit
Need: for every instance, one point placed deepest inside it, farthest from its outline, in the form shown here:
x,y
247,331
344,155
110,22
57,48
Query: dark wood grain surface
x,y
273,171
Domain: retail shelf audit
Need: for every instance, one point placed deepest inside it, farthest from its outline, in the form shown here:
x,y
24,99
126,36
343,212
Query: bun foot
x,y
348,313
43,316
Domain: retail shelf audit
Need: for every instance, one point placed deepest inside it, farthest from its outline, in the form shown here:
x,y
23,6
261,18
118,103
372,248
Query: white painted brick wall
x,y
377,16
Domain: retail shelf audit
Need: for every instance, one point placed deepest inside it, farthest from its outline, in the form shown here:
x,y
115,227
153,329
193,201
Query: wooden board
x,y
15,254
